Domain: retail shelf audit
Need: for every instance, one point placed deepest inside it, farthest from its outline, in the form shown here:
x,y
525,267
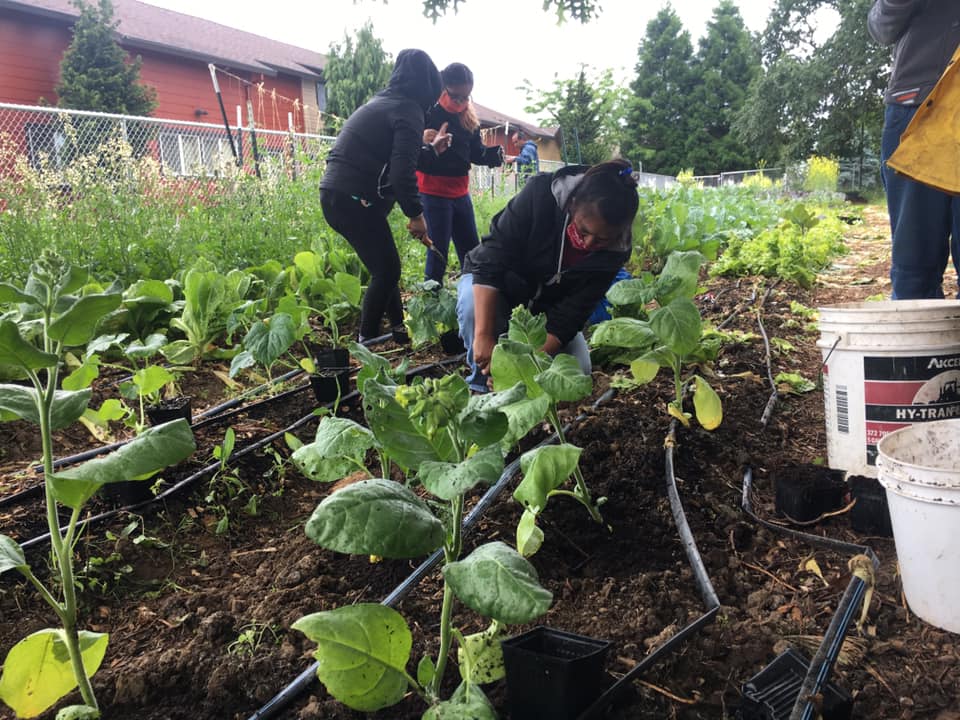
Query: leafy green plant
x,y
333,293
449,442
42,668
517,358
210,300
431,311
145,383
226,485
670,335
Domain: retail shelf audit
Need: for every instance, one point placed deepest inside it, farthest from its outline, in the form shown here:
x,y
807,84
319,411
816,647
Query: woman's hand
x,y
418,228
439,140
483,345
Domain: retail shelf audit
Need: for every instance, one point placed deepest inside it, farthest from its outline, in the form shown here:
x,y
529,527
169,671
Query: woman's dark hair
x,y
612,189
456,74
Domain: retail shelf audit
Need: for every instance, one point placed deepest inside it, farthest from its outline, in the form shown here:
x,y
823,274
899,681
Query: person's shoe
x,y
400,335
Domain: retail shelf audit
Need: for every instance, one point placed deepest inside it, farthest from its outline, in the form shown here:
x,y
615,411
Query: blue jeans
x,y
465,316
925,223
448,218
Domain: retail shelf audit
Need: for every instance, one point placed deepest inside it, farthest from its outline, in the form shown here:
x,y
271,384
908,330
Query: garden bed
x,y
200,622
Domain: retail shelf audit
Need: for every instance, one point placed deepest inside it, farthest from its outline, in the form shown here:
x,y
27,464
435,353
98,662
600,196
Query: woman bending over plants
x,y
555,248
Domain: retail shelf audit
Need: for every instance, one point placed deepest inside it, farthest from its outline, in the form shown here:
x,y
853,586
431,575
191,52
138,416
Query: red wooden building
x,y
176,50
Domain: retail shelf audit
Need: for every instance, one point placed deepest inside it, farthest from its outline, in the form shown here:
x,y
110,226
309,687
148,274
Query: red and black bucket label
x,y
901,391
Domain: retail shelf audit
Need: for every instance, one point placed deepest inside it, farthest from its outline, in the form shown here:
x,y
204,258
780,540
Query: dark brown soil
x,y
200,622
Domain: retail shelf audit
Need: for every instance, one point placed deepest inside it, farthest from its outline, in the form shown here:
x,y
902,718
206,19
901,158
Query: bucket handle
x,y
826,360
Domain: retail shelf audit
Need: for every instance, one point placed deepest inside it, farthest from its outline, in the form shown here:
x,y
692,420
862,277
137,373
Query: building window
x,y
46,145
193,154
321,96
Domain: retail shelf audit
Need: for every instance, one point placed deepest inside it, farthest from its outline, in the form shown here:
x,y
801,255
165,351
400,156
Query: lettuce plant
x,y
52,314
448,442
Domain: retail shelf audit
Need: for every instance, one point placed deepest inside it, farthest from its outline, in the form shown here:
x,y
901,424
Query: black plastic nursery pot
x,y
772,693
451,343
870,515
805,492
132,492
172,409
552,674
332,376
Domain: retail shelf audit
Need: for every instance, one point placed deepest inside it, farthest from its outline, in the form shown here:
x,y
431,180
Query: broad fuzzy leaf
x,y
623,332
678,325
339,445
544,469
706,404
269,339
450,480
495,581
362,653
38,672
397,434
78,324
11,556
467,703
564,380
17,401
376,517
149,452
16,351
480,656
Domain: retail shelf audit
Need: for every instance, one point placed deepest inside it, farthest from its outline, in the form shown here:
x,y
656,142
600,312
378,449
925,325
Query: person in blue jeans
x,y
444,179
924,222
555,248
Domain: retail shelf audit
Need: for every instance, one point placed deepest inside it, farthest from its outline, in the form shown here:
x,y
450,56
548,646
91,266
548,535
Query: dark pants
x,y
925,223
448,218
368,232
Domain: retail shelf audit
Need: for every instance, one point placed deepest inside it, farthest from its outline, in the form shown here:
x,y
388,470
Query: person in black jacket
x,y
924,222
371,166
556,247
445,179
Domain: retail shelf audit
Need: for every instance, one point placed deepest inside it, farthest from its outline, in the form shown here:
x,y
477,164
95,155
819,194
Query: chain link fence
x,y
49,140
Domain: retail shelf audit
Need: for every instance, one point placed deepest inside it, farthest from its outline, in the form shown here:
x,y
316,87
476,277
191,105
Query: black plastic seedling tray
x,y
772,693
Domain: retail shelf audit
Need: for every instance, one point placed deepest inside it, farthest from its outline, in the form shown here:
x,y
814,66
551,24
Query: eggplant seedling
x,y
54,313
449,442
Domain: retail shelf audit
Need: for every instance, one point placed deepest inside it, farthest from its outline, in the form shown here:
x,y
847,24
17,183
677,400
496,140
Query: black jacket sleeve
x,y
568,316
491,261
407,144
480,154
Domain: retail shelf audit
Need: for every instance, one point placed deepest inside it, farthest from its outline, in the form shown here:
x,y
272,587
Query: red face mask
x,y
575,238
450,106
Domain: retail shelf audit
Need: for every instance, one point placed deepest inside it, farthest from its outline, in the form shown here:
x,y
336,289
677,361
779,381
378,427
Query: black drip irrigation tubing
x,y
213,467
818,674
705,587
216,414
305,679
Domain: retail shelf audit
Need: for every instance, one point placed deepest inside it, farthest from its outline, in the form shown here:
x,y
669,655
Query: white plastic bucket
x,y
920,468
887,365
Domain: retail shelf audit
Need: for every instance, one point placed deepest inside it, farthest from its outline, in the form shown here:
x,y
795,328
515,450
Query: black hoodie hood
x,y
415,76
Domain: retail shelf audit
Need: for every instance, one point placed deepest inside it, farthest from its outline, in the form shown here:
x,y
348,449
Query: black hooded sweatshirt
x,y
522,257
375,155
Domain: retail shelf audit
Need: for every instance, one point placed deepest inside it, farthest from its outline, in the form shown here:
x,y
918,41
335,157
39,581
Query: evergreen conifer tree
x,y
95,73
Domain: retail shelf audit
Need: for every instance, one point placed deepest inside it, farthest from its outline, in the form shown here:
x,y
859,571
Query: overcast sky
x,y
503,41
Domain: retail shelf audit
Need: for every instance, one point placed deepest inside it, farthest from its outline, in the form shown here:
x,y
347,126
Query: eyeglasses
x,y
455,97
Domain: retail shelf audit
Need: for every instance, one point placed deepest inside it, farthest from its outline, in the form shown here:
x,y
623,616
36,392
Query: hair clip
x,y
628,170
